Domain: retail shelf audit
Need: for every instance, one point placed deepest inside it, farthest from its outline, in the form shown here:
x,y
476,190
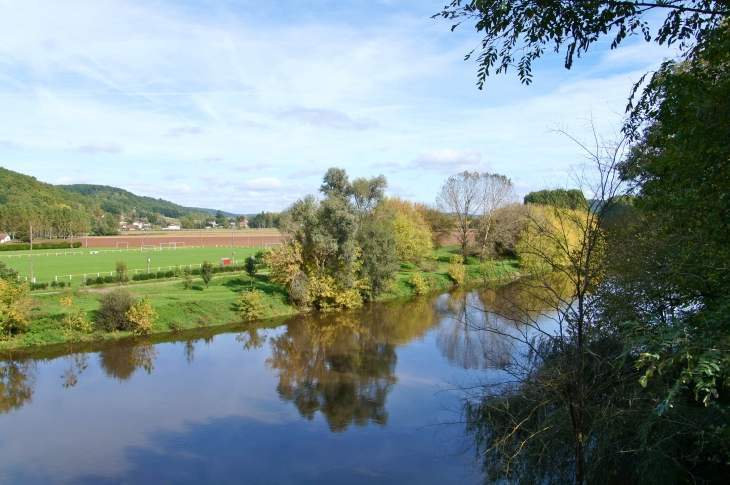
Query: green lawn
x,y
49,264
180,309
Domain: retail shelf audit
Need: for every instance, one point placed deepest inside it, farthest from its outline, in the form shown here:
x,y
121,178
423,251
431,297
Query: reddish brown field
x,y
190,238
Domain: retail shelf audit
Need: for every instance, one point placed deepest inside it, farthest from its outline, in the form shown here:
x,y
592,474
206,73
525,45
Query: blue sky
x,y
243,105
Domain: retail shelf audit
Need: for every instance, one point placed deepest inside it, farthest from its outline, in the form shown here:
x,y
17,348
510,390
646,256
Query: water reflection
x,y
120,362
343,365
17,381
77,364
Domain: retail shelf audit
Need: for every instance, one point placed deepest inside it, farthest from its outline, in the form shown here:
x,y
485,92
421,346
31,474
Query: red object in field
x,y
225,261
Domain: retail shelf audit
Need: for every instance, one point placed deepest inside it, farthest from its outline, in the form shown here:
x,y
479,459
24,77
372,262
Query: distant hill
x,y
212,212
120,201
17,188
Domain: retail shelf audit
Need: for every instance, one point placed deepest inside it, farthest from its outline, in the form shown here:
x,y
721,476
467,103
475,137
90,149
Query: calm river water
x,y
346,398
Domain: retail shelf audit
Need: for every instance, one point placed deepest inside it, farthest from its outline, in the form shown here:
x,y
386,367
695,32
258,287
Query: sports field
x,y
65,265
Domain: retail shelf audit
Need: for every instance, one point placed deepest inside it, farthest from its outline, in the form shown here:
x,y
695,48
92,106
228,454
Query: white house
x,y
173,227
4,238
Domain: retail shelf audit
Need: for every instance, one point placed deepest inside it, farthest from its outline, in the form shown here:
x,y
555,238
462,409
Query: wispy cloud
x,y
174,176
262,184
97,147
211,159
305,173
247,167
327,118
10,144
449,161
185,130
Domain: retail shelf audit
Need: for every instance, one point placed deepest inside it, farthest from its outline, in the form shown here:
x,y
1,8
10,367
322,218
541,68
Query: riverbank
x,y
181,309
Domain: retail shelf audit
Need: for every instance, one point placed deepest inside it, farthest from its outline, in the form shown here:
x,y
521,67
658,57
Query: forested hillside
x,y
59,210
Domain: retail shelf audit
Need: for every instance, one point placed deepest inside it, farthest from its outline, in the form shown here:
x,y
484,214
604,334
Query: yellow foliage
x,y
284,262
556,238
419,284
414,239
250,305
14,307
325,294
457,271
75,317
143,316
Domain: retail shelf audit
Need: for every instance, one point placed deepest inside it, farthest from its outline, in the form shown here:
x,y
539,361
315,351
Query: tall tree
x,y
461,197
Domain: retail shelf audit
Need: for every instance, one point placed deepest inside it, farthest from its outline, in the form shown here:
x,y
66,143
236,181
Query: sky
x,y
242,105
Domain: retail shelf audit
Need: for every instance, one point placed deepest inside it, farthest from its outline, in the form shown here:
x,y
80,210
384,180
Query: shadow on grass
x,y
261,282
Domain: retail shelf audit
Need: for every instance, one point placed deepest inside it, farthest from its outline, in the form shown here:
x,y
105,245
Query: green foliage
x,y
26,246
113,311
414,239
122,271
206,272
561,198
251,268
250,306
518,32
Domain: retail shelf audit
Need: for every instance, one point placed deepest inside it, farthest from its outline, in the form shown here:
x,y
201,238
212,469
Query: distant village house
x,y
4,238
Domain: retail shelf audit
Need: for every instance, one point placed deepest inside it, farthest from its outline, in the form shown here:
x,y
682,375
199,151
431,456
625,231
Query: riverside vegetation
x,y
353,246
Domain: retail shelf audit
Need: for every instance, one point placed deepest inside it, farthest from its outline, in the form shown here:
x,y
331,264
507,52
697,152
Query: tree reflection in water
x,y
17,380
343,365
78,364
120,362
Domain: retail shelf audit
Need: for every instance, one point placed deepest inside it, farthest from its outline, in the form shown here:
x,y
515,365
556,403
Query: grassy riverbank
x,y
181,309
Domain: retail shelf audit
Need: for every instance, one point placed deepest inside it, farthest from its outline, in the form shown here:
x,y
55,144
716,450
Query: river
x,y
356,397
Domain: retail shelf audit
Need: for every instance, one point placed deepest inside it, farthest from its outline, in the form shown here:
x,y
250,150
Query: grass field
x,y
67,265
181,309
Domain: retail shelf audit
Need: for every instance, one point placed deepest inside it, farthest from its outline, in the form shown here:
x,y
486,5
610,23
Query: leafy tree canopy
x,y
519,31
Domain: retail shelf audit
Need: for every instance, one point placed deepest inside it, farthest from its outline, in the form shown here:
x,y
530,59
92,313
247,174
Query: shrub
x,y
195,272
160,275
112,313
38,286
206,272
457,271
170,274
122,271
100,280
250,305
299,289
61,284
54,284
142,316
419,284
108,279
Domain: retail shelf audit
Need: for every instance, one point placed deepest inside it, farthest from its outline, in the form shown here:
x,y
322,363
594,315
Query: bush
x,y
457,271
122,271
195,272
206,272
419,284
250,305
38,286
26,246
169,274
54,284
62,284
142,316
100,280
160,275
108,279
112,313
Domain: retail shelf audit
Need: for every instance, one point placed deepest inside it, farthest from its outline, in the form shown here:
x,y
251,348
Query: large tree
x,y
517,32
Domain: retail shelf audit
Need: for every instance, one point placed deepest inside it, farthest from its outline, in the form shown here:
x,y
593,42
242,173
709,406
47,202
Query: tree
x,y
539,421
206,272
414,239
251,268
519,31
497,193
112,312
221,219
572,198
461,197
674,258
122,271
14,307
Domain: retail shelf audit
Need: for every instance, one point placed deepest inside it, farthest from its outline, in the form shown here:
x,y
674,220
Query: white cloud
x,y
185,130
327,118
262,184
247,167
449,161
